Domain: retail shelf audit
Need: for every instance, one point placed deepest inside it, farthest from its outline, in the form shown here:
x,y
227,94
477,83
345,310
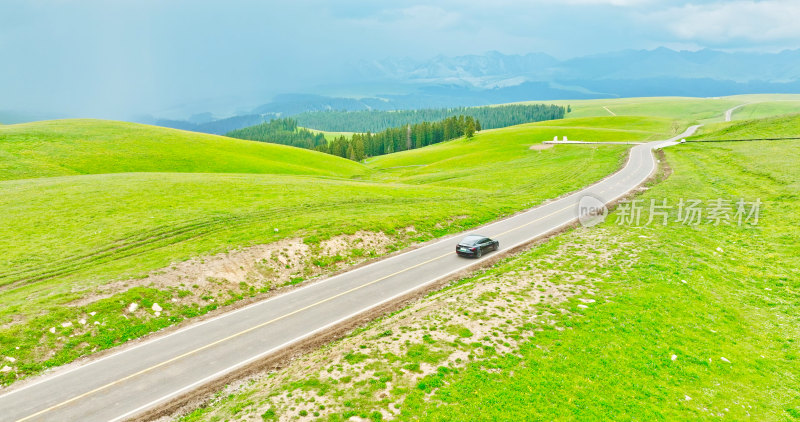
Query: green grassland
x,y
74,147
503,145
689,323
766,109
330,136
146,197
687,110
784,126
739,301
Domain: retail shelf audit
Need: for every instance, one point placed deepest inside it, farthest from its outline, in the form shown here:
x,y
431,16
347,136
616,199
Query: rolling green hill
x,y
686,110
88,204
73,147
766,109
621,321
498,147
783,126
129,199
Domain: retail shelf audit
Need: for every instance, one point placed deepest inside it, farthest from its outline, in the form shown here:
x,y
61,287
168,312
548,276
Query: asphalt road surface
x,y
133,380
729,112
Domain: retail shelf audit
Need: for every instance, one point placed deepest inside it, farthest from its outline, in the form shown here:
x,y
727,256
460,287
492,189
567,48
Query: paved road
x,y
729,112
126,383
609,111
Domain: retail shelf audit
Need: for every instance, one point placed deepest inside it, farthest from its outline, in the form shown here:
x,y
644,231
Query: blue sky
x,y
120,57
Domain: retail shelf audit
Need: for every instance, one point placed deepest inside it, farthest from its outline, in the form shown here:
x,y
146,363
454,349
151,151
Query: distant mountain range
x,y
498,78
493,69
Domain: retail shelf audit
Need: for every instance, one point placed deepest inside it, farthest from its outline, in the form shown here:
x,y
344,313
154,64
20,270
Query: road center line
x,y
207,346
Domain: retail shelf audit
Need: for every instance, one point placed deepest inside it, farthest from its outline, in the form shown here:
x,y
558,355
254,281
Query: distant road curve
x,y
136,379
729,112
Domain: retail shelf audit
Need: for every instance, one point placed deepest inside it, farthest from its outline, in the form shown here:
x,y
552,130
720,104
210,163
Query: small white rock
x,y
674,357
133,307
720,250
158,314
767,288
174,299
92,313
66,324
53,330
725,360
582,306
683,281
586,300
6,369
10,359
96,323
157,308
82,321
687,398
276,230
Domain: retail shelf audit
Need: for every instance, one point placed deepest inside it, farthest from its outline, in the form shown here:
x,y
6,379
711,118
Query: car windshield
x,y
471,240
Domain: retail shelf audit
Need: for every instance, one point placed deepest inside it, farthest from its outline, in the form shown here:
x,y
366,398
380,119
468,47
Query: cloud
x,y
726,22
418,16
619,3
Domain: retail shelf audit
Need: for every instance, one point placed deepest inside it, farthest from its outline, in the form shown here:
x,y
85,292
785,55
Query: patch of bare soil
x,y
470,322
261,267
539,147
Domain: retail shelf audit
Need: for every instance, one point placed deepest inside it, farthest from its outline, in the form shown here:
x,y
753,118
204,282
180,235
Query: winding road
x,y
729,112
133,380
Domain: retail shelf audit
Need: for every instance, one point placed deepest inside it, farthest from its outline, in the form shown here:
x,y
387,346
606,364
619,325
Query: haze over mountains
x,y
493,77
495,69
490,78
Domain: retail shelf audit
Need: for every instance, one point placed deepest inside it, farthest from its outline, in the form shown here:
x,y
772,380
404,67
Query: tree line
x,y
361,145
281,131
491,117
407,133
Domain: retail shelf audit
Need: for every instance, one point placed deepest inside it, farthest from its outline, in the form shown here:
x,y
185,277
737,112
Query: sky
x,y
120,58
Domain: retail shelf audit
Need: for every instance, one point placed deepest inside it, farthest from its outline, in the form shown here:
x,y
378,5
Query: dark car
x,y
476,245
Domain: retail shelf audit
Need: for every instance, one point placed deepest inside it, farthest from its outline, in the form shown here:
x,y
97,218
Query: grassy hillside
x,y
494,147
686,109
83,244
619,322
766,109
784,126
331,135
72,147
701,294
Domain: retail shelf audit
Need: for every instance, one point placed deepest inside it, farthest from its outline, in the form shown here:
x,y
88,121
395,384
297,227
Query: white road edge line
x,y
260,355
49,377
653,165
54,375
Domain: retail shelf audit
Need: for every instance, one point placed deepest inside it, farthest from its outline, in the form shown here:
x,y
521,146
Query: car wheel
x,y
479,253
